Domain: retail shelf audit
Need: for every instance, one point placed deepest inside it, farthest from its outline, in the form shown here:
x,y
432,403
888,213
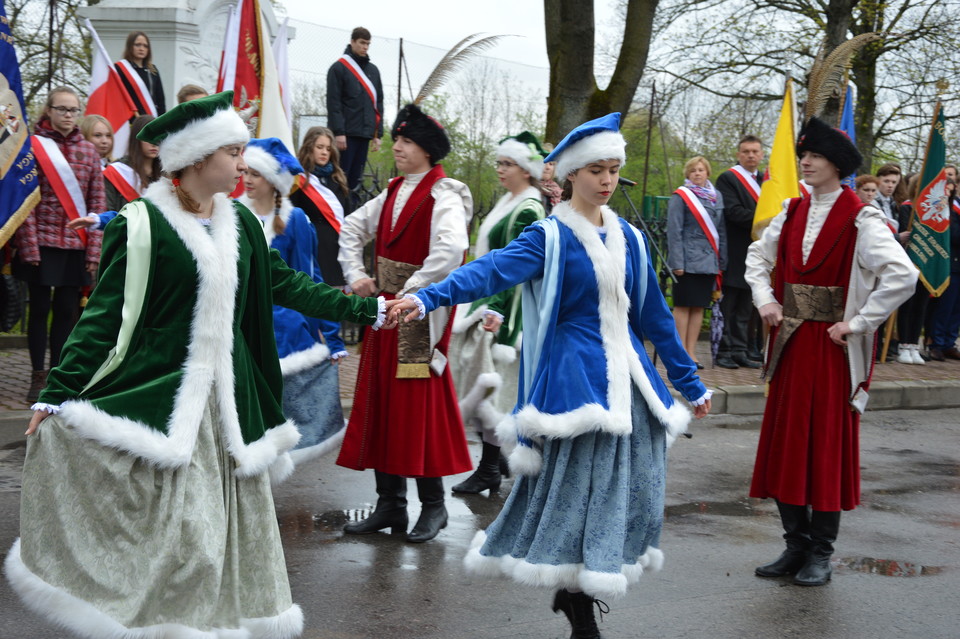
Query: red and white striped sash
x,y
124,179
748,180
364,81
705,221
141,93
61,178
314,191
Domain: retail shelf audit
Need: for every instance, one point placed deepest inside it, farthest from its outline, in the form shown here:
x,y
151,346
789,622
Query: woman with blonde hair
x,y
321,191
696,249
97,131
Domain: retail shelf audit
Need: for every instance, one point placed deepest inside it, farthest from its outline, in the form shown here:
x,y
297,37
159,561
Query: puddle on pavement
x,y
885,567
722,508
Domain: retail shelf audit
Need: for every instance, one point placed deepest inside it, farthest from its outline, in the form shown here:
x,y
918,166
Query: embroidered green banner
x,y
929,246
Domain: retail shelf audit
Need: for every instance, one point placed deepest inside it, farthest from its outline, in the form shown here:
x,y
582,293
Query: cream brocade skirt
x,y
114,547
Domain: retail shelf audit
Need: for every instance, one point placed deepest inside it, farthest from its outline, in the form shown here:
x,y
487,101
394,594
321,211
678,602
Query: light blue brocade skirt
x,y
590,520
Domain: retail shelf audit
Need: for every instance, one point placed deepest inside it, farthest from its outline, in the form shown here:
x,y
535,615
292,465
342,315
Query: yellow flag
x,y
782,179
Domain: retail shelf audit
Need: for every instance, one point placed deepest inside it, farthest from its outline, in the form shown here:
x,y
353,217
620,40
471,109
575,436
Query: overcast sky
x,y
436,23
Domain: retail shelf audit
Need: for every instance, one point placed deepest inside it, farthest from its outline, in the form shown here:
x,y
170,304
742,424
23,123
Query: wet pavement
x,y
896,569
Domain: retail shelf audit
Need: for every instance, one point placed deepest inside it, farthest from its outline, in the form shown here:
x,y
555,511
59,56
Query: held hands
x,y
396,308
38,416
771,314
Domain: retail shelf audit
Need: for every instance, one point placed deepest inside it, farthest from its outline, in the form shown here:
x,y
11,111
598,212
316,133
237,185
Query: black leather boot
x,y
796,526
391,510
823,532
578,607
487,474
433,514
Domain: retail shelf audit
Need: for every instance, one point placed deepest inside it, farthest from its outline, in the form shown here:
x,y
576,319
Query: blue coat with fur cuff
x,y
607,304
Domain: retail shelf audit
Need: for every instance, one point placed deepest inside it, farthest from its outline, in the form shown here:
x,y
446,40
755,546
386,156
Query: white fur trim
x,y
209,362
269,167
286,209
300,361
286,625
607,145
601,585
463,319
503,354
82,618
528,159
525,461
302,455
281,469
476,402
200,138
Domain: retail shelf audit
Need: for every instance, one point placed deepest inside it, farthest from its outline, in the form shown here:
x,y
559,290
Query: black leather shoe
x,y
487,475
754,356
937,355
391,510
433,516
815,572
742,360
726,362
788,563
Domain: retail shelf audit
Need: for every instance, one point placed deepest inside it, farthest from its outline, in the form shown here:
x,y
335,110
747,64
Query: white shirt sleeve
x,y
761,258
358,229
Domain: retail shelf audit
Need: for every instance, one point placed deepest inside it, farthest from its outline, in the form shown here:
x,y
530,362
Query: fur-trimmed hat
x,y
191,131
592,141
525,150
817,136
270,158
429,134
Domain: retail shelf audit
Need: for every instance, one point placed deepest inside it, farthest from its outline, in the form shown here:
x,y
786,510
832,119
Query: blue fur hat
x,y
270,158
592,141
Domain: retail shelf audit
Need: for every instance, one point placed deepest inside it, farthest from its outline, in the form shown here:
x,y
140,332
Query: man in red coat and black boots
x,y
406,420
838,273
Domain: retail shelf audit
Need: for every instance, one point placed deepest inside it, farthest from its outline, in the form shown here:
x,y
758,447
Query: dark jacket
x,y
738,210
954,240
349,110
151,79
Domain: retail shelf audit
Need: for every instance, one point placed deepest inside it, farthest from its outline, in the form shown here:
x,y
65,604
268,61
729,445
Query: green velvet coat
x,y
205,327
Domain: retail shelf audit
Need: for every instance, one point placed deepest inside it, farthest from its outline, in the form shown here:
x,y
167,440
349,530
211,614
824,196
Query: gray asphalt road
x,y
897,567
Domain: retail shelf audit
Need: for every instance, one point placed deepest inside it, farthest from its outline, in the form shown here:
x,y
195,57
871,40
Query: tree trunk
x,y
574,96
865,79
839,16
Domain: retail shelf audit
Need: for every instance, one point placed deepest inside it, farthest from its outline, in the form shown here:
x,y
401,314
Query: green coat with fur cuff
x,y
206,326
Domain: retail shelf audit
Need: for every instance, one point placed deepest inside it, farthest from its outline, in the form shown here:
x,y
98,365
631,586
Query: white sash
x,y
701,213
750,180
372,90
65,171
144,93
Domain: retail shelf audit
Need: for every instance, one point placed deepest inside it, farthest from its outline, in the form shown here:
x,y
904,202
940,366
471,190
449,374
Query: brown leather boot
x,y
38,381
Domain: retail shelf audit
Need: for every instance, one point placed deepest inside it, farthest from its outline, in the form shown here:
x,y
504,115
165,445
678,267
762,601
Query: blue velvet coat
x,y
607,304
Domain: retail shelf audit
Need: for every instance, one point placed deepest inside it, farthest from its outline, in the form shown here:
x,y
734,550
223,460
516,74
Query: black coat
x,y
151,79
738,210
349,110
954,240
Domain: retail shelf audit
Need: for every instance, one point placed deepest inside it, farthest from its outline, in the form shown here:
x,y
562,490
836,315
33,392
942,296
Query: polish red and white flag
x,y
107,95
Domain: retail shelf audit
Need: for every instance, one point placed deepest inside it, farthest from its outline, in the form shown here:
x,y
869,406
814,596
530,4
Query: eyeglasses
x,y
62,110
505,164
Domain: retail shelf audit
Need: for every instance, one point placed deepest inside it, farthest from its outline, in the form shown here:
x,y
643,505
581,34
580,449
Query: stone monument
x,y
186,36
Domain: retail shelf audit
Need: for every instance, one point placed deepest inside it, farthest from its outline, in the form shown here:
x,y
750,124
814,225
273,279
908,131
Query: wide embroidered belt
x,y
805,303
413,338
